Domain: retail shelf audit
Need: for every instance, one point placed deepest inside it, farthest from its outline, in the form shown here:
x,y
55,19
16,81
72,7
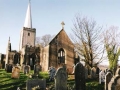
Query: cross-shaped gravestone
x,y
62,25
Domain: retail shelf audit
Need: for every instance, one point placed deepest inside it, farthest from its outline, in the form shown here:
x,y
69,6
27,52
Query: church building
x,y
60,49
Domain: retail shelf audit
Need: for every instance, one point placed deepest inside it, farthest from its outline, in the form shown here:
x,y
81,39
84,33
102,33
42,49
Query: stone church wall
x,y
44,58
61,41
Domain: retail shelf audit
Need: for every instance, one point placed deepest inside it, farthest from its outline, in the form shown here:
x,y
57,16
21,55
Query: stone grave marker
x,y
37,69
108,77
36,83
79,77
93,73
89,73
52,71
0,66
15,72
114,83
9,68
101,77
26,69
61,78
97,72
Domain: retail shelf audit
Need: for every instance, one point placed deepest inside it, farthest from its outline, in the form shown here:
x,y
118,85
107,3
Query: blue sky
x,y
48,14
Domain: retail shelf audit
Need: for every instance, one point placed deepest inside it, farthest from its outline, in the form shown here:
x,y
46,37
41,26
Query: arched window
x,y
61,56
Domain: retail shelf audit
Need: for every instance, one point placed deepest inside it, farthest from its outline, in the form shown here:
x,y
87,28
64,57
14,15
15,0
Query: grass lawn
x,y
7,83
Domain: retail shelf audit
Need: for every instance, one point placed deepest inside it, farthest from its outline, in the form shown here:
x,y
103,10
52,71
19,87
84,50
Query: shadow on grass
x,y
7,83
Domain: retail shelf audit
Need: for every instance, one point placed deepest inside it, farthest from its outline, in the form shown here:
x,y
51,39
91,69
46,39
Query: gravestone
x,y
101,77
37,69
89,73
79,77
114,83
93,73
3,64
108,77
97,72
15,72
26,69
0,66
41,83
9,68
61,78
52,71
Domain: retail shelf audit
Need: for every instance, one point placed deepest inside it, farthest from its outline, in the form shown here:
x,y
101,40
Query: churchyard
x,y
41,81
82,78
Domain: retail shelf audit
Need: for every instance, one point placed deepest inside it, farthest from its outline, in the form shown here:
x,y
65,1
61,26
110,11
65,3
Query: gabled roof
x,y
59,33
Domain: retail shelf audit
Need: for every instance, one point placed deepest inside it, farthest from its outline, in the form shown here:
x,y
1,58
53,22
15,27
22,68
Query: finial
x,y
62,24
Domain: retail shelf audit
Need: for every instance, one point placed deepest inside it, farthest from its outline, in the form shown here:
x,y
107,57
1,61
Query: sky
x,y
47,16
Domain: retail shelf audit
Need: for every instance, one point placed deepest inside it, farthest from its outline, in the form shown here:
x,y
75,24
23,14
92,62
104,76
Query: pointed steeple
x,y
28,19
9,45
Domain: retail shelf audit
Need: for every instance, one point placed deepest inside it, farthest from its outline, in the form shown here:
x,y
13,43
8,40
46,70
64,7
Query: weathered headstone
x,y
89,73
52,71
41,83
37,69
93,73
61,78
3,64
79,77
114,84
0,66
101,77
97,72
15,72
108,77
26,69
9,68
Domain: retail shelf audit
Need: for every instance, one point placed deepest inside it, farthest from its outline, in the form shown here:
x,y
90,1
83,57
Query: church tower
x,y
28,34
7,51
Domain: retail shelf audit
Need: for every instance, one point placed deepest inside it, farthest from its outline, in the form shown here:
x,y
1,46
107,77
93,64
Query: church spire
x,y
28,19
9,45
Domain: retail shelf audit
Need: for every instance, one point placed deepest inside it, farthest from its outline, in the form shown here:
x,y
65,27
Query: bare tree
x,y
111,42
38,40
87,41
44,40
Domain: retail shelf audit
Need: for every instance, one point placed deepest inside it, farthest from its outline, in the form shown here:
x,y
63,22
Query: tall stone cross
x,y
62,25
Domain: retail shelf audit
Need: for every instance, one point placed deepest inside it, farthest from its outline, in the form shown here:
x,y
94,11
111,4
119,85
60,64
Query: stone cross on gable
x,y
62,25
